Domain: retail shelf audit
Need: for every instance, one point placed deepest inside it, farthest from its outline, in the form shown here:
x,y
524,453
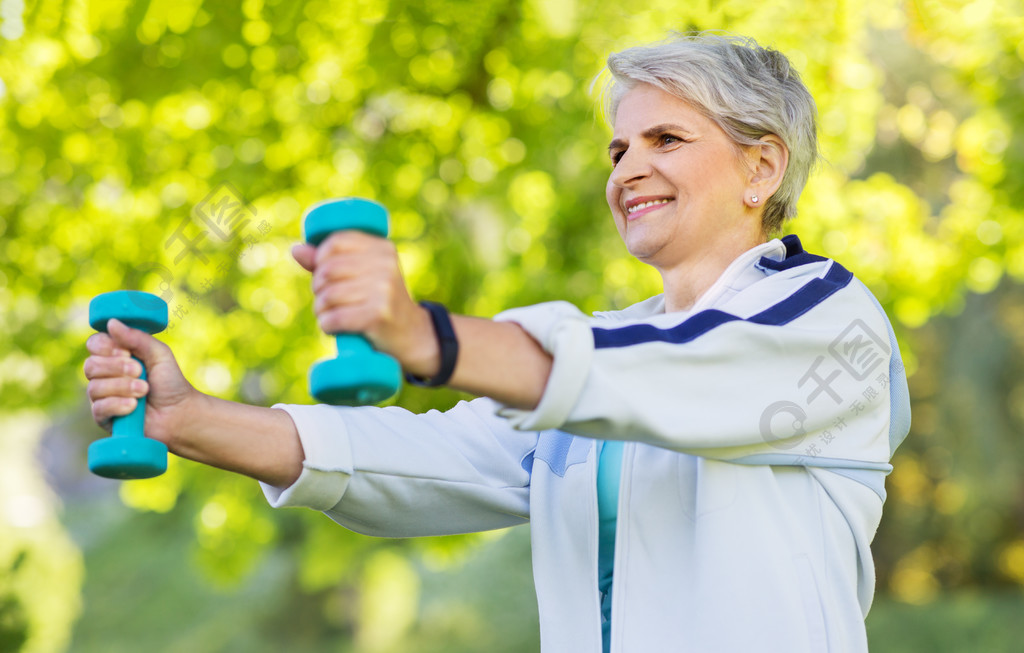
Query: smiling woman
x,y
681,189
713,456
748,91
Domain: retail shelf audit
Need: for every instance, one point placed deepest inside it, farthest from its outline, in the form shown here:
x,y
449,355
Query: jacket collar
x,y
746,269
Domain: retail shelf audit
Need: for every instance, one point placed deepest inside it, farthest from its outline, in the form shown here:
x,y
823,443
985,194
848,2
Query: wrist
x,y
422,356
447,346
190,414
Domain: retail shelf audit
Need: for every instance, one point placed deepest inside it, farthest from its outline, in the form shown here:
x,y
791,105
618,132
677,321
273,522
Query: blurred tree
x,y
40,567
171,146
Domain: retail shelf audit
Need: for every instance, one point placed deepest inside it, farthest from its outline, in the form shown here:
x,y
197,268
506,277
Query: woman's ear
x,y
769,166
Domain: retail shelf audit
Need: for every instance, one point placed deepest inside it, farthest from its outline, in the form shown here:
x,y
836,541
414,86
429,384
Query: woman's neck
x,y
687,282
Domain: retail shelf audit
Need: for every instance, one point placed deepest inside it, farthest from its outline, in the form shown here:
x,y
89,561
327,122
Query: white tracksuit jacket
x,y
759,429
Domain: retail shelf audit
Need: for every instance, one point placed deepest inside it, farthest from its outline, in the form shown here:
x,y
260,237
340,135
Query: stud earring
x,y
753,198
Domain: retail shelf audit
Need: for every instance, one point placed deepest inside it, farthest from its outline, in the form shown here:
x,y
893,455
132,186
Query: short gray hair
x,y
748,90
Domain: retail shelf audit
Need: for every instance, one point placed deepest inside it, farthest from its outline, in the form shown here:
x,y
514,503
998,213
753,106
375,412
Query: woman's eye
x,y
669,139
616,156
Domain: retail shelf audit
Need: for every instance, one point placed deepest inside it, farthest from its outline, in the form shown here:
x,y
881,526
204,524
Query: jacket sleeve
x,y
389,472
801,370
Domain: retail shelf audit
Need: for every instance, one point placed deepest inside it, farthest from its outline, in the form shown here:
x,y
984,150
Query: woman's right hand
x,y
115,386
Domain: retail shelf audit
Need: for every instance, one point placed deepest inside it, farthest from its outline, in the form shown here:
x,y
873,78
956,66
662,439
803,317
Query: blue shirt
x,y
609,470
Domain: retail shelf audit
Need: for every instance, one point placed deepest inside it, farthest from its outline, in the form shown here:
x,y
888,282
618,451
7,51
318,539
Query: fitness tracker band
x,y
447,342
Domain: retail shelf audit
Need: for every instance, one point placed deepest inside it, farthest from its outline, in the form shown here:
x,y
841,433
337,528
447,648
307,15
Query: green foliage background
x,y
474,122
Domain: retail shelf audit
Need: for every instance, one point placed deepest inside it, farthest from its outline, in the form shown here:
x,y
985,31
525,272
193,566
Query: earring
x,y
753,198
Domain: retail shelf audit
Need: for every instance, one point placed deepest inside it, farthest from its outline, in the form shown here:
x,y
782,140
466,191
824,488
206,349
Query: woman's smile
x,y
644,205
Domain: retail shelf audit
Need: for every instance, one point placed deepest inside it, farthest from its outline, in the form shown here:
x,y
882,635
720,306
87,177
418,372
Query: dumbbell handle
x,y
354,344
131,425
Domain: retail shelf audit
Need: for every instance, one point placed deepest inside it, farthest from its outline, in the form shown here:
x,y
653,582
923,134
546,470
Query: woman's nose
x,y
631,167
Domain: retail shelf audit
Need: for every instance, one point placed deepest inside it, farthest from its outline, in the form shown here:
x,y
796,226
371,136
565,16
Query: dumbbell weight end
x,y
358,376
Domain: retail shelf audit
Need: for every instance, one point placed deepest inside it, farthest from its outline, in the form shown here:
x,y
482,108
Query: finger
x,y
373,293
305,255
376,261
122,386
144,346
344,319
337,269
101,344
343,294
348,241
104,410
103,367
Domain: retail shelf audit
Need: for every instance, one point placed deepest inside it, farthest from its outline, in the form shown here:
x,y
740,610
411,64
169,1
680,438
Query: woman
x,y
703,471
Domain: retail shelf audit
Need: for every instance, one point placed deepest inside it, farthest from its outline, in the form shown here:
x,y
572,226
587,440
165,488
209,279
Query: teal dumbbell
x,y
127,453
359,375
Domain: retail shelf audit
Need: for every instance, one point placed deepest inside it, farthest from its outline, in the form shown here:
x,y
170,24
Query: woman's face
x,y
678,185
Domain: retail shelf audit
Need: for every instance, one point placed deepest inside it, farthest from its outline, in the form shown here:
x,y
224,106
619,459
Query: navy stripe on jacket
x,y
804,299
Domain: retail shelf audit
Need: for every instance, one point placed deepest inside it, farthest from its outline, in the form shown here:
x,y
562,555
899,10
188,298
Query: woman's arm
x,y
401,474
729,386
720,385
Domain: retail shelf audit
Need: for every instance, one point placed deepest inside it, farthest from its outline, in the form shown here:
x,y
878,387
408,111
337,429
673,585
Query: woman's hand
x,y
359,288
115,386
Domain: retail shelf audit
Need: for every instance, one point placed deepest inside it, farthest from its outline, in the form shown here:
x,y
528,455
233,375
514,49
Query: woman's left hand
x,y
359,288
